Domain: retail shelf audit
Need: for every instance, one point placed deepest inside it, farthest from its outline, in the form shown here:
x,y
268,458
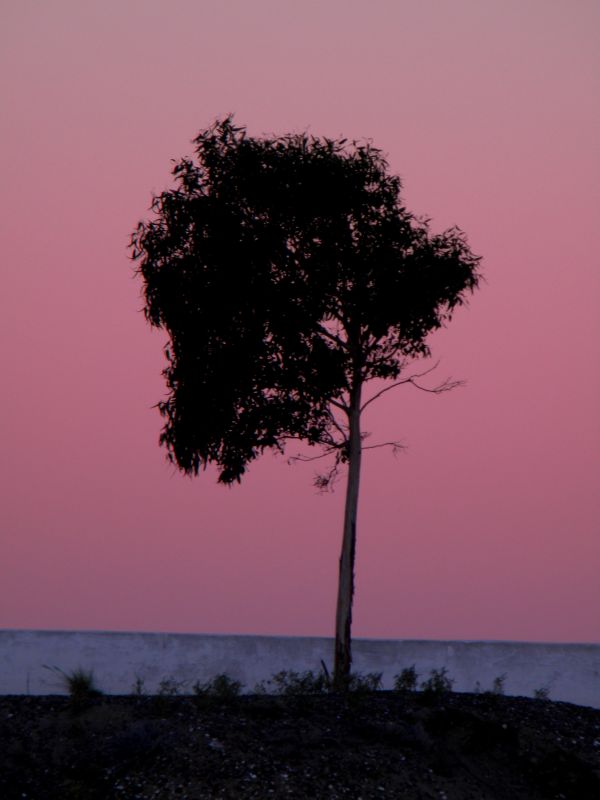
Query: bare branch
x,y
338,426
324,454
340,405
383,391
397,383
325,482
446,385
396,446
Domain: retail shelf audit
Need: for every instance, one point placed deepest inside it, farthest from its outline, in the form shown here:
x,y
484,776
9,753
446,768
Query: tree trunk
x,y
343,653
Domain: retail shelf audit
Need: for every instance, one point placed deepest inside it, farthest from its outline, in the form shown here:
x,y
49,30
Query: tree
x,y
288,275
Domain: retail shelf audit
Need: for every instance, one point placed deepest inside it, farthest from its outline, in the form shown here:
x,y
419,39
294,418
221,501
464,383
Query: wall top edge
x,y
257,636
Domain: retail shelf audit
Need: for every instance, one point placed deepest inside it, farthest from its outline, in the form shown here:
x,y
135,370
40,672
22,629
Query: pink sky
x,y
487,526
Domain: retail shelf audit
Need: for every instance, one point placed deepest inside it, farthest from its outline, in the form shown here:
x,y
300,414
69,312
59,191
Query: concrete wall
x,y
571,672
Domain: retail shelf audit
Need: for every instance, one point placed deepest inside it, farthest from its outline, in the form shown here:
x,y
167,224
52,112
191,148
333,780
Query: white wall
x,y
571,672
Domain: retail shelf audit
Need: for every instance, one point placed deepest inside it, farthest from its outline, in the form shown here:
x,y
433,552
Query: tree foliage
x,y
287,272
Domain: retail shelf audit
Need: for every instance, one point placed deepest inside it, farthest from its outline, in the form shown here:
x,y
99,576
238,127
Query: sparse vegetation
x,y
369,682
290,682
438,682
169,687
81,687
543,693
138,687
221,686
406,680
79,683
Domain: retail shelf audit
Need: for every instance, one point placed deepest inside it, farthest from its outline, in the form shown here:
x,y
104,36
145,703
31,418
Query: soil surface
x,y
370,746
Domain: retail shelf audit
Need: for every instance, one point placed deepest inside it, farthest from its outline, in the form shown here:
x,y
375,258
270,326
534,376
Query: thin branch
x,y
326,481
394,445
333,337
341,406
397,447
445,386
325,440
398,383
324,454
336,424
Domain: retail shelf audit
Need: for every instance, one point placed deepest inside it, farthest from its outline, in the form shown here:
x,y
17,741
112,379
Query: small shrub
x,y
406,681
138,687
161,704
168,687
438,682
290,682
370,682
542,693
221,686
79,683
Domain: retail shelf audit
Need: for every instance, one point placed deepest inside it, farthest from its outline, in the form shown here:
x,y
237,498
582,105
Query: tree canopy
x,y
286,270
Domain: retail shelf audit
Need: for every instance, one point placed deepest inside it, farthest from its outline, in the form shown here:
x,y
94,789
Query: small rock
x,y
215,744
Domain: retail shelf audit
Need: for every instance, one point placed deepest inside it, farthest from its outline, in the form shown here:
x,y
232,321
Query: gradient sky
x,y
486,527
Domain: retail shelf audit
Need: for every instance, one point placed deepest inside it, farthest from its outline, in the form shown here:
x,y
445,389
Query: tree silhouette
x,y
288,275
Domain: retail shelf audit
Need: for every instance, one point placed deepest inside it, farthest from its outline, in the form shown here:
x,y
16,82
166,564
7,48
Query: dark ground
x,y
376,745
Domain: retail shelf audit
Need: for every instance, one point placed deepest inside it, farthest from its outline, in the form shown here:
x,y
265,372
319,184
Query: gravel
x,y
361,746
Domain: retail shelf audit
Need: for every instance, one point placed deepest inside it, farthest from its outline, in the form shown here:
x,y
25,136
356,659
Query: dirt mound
x,y
372,745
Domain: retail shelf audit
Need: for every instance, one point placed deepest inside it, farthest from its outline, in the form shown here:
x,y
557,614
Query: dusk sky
x,y
487,525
